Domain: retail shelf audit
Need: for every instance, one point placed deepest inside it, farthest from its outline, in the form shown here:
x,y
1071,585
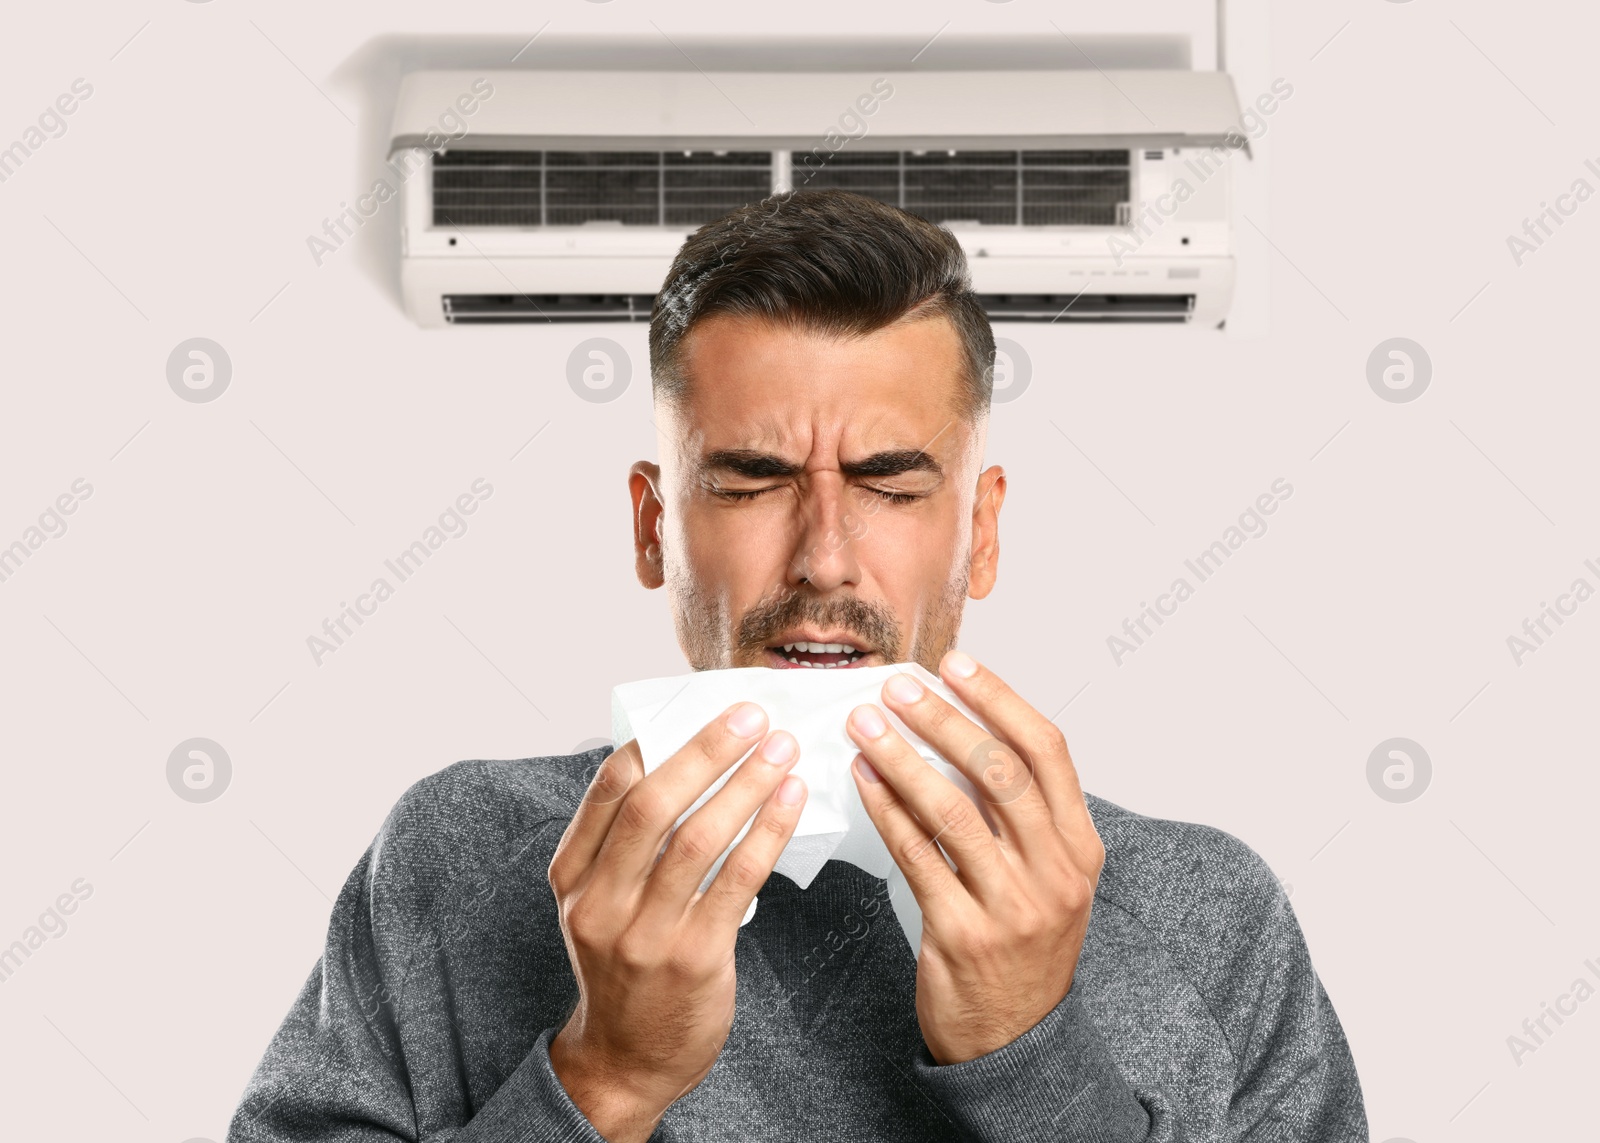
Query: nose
x,y
828,528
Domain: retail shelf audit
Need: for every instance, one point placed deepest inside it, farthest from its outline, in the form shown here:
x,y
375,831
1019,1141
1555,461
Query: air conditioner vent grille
x,y
1086,307
1016,188
468,309
473,309
687,189
570,188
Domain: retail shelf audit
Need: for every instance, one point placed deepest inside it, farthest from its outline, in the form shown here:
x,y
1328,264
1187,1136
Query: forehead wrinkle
x,y
857,435
823,439
766,435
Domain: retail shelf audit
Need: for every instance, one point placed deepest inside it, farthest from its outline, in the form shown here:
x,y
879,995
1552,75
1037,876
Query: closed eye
x,y
752,493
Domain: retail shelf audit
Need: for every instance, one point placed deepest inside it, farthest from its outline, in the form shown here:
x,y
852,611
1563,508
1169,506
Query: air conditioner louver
x,y
469,309
462,309
1089,307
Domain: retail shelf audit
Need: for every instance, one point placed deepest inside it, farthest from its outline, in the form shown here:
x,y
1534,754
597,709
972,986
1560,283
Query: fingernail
x,y
903,688
960,664
866,769
868,721
746,720
792,790
779,748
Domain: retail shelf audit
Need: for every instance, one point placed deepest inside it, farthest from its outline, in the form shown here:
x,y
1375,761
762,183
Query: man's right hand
x,y
652,953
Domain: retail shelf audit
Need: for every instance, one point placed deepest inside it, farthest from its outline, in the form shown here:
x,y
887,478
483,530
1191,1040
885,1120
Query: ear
x,y
644,485
985,565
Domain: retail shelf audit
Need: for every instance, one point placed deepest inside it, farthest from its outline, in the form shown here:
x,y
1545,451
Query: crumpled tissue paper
x,y
811,704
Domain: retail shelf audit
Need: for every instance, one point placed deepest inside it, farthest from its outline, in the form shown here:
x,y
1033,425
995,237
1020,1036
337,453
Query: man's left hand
x,y
1002,931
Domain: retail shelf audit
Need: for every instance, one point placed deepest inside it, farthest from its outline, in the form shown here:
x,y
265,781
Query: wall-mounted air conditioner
x,y
1078,195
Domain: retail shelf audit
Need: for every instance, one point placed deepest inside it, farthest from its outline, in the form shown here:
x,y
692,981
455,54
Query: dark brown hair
x,y
828,260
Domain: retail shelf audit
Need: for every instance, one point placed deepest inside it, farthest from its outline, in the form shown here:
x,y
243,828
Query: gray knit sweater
x,y
1194,1014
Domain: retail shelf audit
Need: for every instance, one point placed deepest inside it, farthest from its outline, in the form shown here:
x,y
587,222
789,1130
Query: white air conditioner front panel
x,y
1166,235
799,110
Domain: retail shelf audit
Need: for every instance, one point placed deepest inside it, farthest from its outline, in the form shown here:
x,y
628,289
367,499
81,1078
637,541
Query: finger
x,y
1028,732
654,804
1001,776
933,883
941,807
724,903
706,834
586,832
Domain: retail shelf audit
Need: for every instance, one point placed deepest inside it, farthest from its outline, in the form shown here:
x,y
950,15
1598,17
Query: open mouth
x,y
820,656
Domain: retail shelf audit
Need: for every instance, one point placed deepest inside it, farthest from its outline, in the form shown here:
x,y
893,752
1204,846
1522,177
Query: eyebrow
x,y
758,465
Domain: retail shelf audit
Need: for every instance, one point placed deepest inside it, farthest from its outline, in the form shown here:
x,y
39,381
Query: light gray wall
x,y
218,535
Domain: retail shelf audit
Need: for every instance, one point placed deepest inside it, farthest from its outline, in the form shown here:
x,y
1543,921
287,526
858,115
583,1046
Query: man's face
x,y
815,490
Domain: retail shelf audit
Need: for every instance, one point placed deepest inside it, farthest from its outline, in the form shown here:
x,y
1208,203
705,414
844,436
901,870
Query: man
x,y
526,952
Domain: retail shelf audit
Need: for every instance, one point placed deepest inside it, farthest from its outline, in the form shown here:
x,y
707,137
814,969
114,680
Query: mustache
x,y
875,624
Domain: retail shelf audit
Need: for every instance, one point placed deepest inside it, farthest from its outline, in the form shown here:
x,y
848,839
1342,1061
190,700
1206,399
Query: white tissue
x,y
811,704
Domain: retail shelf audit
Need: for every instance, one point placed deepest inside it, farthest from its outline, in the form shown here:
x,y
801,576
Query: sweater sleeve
x,y
335,1071
1296,1080
1291,1079
1057,1081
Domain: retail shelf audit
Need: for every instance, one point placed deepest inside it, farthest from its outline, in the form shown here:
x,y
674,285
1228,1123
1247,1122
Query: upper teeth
x,y
819,648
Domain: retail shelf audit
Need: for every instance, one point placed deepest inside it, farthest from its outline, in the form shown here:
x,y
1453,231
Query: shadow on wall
x,y
372,75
